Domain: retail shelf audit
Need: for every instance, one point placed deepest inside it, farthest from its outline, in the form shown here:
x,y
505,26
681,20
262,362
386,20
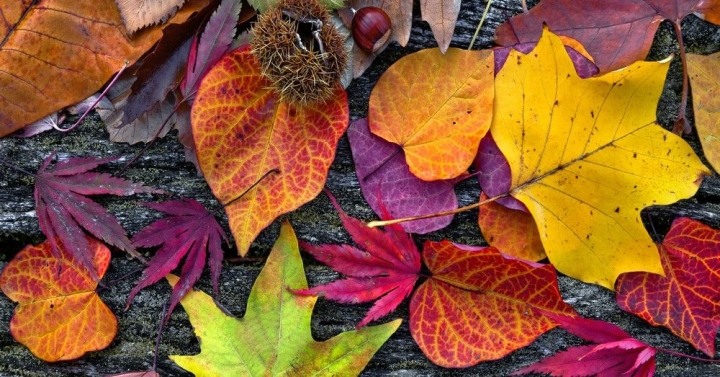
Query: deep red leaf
x,y
615,32
189,231
387,268
616,354
63,209
687,299
214,42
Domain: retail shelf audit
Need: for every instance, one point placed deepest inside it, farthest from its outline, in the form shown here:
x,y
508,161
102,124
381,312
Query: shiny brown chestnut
x,y
371,28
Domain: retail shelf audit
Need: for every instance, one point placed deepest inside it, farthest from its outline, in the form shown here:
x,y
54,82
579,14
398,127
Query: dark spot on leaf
x,y
469,111
635,155
592,114
665,137
617,210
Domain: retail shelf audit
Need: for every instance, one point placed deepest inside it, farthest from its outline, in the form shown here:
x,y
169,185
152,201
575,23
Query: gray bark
x,y
162,167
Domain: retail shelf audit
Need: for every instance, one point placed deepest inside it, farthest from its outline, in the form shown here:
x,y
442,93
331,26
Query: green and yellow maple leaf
x,y
587,156
273,338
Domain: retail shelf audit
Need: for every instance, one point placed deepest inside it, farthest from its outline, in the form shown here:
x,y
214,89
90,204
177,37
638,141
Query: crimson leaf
x,y
63,209
188,230
616,354
388,267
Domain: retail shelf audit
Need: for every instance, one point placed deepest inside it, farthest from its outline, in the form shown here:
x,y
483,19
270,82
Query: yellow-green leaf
x,y
587,156
436,107
273,338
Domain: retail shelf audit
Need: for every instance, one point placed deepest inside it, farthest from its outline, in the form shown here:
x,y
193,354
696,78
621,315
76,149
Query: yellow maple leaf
x,y
587,156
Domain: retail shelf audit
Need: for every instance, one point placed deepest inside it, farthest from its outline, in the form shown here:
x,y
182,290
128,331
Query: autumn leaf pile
x,y
558,125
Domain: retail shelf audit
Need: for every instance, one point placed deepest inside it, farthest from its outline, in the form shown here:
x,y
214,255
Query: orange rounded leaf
x,y
243,131
436,107
511,231
59,316
479,305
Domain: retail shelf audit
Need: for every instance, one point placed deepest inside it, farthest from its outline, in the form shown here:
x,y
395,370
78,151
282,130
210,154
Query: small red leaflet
x,y
387,269
63,209
615,354
188,230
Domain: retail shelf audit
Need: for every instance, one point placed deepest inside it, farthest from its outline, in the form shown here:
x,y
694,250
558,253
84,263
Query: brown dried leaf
x,y
441,15
136,14
58,52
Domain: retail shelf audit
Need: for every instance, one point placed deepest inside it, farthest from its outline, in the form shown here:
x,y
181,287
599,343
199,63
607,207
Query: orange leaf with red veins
x,y
58,52
243,131
441,15
59,316
436,107
480,305
510,230
687,300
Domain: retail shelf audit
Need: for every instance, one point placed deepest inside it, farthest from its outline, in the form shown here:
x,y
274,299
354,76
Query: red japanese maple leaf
x,y
386,269
615,353
63,209
687,299
191,232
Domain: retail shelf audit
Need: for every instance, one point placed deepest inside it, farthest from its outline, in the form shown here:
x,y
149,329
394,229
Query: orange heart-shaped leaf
x,y
243,131
436,107
59,316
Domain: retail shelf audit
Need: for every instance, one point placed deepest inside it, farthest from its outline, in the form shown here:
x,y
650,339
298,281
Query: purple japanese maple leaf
x,y
189,231
63,210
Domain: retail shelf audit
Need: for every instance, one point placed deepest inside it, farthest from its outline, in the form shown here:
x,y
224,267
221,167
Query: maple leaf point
x,y
188,230
616,354
387,269
63,209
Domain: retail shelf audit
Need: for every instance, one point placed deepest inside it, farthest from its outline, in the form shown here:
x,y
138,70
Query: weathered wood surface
x,y
163,167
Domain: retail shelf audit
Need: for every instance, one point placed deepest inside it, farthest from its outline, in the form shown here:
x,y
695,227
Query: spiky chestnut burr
x,y
300,51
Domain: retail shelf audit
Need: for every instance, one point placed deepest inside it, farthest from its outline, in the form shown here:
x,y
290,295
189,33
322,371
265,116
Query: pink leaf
x,y
616,354
387,269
